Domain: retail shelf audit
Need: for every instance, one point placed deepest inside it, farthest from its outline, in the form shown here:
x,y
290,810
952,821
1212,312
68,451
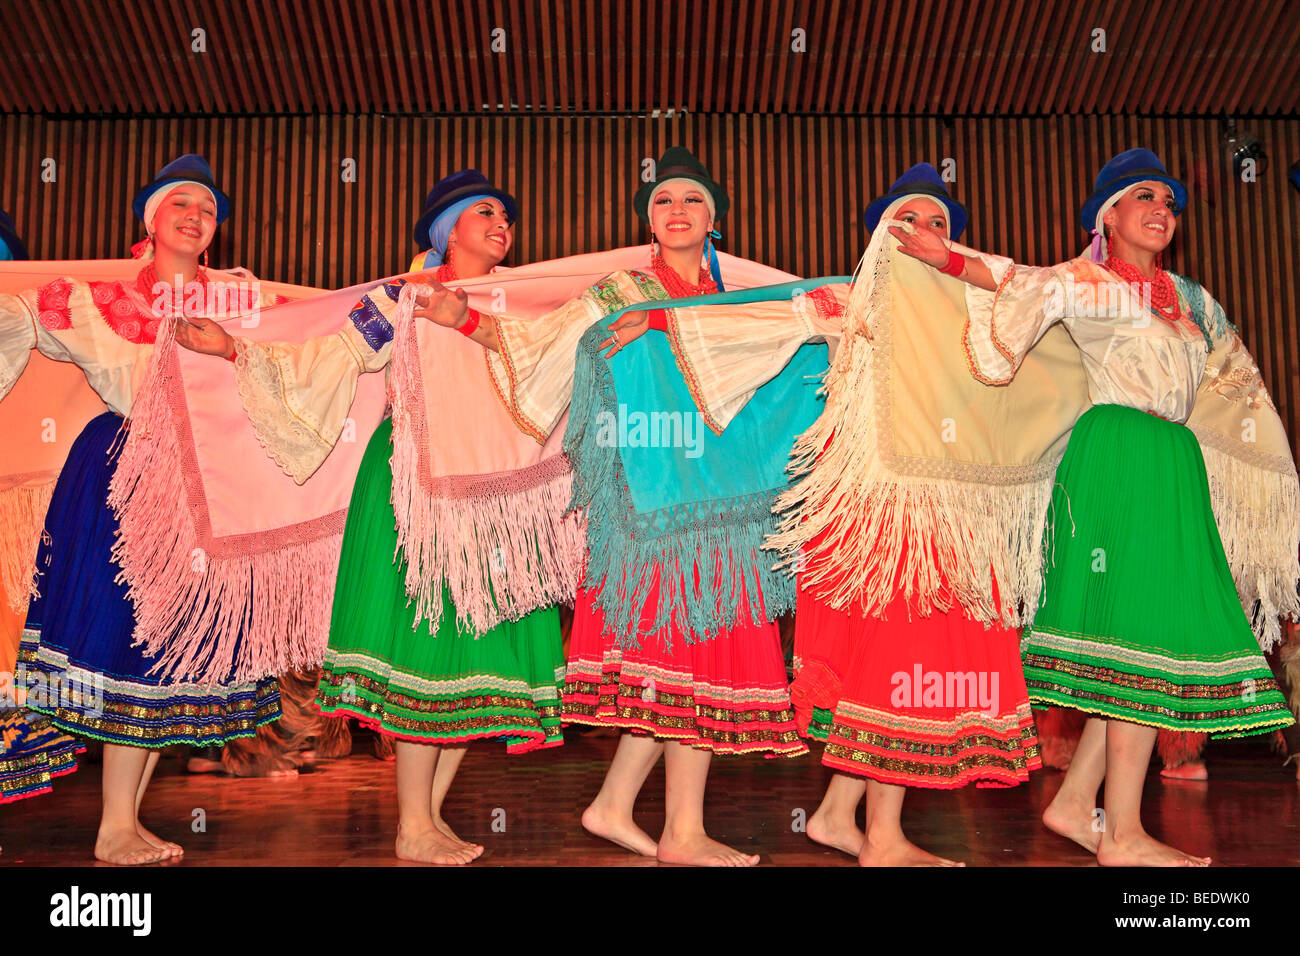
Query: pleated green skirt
x,y
1140,619
448,687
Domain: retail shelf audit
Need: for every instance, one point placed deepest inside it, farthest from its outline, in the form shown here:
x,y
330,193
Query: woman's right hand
x,y
922,244
204,335
442,306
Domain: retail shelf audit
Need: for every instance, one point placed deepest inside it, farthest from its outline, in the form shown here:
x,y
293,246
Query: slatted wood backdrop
x,y
798,186
948,57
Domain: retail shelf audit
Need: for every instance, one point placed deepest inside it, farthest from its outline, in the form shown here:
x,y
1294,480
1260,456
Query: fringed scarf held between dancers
x,y
672,507
481,505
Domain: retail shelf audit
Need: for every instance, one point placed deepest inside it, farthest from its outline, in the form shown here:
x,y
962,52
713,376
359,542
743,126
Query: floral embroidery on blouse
x,y
52,305
370,320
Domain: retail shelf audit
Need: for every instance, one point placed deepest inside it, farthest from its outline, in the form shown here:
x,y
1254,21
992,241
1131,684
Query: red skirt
x,y
937,701
728,694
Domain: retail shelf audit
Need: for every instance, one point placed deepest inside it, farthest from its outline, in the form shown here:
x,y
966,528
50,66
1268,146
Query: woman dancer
x,y
81,668
431,694
1141,626
674,697
849,654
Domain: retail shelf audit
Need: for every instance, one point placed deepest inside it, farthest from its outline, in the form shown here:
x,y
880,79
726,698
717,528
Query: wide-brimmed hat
x,y
190,168
1129,168
924,179
451,190
678,162
9,235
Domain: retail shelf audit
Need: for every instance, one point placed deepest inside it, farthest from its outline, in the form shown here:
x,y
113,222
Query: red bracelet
x,y
658,320
471,323
956,264
234,353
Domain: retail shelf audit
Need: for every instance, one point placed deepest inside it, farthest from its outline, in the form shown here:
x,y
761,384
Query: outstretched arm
x,y
934,252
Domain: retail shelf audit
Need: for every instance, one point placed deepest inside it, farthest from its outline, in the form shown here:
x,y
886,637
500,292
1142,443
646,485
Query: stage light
x,y
1241,146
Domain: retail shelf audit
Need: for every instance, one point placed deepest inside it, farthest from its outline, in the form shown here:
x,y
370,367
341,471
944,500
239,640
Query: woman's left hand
x,y
629,328
922,244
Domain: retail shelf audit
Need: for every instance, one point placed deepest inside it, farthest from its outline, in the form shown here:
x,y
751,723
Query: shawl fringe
x,y
858,529
501,544
209,618
1257,510
704,558
22,518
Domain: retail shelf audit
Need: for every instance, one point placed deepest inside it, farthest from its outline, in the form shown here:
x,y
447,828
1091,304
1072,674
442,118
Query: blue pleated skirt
x,y
76,657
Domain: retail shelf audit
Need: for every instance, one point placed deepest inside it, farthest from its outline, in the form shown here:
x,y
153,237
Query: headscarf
x,y
710,253
441,229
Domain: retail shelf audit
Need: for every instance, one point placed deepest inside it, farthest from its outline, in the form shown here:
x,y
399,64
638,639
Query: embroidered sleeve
x,y
1003,325
82,323
533,367
297,395
727,352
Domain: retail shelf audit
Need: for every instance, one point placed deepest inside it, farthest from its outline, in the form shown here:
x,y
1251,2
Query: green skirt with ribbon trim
x,y
447,687
1140,619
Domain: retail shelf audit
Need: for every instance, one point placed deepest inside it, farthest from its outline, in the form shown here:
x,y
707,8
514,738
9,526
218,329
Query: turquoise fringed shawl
x,y
664,495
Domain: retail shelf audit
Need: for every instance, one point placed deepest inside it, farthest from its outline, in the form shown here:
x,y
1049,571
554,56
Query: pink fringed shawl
x,y
231,564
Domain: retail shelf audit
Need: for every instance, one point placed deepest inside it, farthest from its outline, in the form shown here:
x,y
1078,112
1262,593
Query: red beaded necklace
x,y
1160,291
147,280
675,285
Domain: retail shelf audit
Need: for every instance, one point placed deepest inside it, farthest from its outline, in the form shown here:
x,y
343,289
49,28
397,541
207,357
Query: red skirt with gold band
x,y
728,694
936,701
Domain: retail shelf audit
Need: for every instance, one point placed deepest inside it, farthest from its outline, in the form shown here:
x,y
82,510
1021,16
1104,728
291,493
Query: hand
x,y
204,335
629,328
442,306
922,244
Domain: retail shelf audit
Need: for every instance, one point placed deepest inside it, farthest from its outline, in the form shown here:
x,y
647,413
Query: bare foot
x,y
430,846
1145,850
697,849
838,834
173,849
620,830
1073,823
1192,770
203,765
126,848
898,850
450,834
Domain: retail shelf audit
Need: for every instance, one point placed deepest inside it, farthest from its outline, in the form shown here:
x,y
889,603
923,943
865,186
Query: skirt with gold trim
x,y
32,754
1140,618
76,658
934,701
728,694
452,686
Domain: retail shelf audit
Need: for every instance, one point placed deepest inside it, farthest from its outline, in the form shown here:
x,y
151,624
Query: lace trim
x,y
291,444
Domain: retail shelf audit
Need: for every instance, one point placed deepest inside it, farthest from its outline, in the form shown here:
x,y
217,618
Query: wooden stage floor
x,y
525,810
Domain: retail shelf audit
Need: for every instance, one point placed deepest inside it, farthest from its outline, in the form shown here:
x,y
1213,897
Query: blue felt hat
x,y
1129,168
924,179
452,189
190,168
9,236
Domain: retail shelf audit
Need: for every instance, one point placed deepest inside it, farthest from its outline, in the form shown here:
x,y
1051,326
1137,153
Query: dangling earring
x,y
205,258
1110,246
654,247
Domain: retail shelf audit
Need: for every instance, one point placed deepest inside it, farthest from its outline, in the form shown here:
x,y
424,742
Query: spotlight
x,y
1241,146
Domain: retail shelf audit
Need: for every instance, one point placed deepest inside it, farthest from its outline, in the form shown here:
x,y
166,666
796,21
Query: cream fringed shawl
x,y
917,479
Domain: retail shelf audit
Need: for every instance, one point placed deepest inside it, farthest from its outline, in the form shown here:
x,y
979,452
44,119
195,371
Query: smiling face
x,y
483,232
679,215
1143,218
925,214
185,221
